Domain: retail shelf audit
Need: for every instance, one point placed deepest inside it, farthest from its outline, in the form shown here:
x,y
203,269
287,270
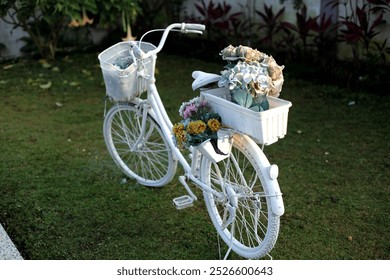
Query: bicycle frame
x,y
240,187
153,105
158,111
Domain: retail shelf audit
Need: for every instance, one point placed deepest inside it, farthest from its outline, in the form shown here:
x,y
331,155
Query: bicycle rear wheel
x,y
148,159
244,218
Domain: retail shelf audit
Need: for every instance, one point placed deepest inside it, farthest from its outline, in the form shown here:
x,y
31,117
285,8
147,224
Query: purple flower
x,y
188,110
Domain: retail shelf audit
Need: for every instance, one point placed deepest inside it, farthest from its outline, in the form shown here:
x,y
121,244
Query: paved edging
x,y
8,250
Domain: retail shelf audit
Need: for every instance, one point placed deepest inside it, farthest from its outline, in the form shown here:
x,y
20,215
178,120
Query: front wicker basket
x,y
125,84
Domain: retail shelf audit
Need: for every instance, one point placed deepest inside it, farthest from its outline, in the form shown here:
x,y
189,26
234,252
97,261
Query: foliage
x,y
45,21
325,42
217,15
221,23
158,13
108,11
324,39
40,19
312,42
359,27
271,23
303,27
382,51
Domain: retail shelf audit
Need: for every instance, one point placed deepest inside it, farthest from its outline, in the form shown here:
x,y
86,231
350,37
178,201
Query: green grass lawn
x,y
62,197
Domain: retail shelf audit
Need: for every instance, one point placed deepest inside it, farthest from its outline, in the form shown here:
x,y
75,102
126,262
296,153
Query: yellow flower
x,y
181,138
214,125
196,127
180,134
178,128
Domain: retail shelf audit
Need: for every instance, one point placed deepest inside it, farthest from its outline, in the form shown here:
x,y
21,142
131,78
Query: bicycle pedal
x,y
183,201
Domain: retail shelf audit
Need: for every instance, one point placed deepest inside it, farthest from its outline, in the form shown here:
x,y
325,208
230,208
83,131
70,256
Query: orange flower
x,y
85,19
83,22
74,23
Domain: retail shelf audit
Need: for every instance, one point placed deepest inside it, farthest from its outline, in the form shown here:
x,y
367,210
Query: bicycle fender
x,y
277,205
271,173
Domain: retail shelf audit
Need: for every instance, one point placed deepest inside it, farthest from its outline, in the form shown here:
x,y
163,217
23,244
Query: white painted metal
x,y
230,194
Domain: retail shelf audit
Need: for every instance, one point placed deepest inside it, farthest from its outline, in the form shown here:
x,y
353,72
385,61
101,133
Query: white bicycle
x,y
241,191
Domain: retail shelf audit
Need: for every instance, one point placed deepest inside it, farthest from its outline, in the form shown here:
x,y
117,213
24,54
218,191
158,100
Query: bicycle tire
x,y
151,163
252,229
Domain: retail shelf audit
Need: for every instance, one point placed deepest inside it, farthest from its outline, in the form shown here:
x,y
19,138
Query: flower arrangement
x,y
199,124
250,76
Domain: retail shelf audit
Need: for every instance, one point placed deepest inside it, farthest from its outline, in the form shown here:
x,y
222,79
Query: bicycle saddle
x,y
203,78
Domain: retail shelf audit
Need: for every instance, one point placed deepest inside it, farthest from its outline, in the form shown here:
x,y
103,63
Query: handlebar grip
x,y
195,26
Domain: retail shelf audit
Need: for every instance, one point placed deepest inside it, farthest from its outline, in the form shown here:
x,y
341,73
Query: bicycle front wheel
x,y
243,218
145,156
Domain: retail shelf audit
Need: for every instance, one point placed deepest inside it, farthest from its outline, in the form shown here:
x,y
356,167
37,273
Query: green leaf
x,y
242,97
256,108
262,101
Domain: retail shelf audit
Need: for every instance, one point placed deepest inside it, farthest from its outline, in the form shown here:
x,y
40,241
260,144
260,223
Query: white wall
x,y
11,39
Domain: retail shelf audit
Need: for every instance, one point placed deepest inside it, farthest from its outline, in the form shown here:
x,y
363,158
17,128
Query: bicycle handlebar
x,y
182,27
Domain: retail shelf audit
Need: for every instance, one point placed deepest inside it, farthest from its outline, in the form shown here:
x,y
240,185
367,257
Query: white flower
x,y
247,77
254,71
